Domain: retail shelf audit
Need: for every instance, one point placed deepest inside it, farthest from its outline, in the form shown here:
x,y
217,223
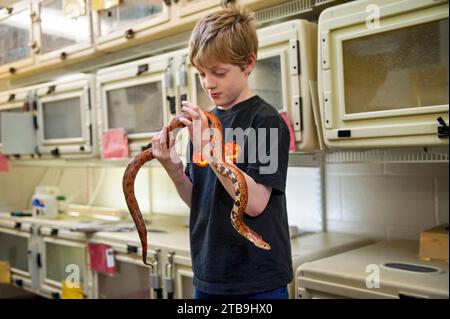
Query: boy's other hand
x,y
163,147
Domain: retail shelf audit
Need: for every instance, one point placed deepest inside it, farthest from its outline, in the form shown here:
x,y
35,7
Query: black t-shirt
x,y
224,262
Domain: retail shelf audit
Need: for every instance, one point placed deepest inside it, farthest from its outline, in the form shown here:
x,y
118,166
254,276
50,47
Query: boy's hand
x,y
166,154
198,127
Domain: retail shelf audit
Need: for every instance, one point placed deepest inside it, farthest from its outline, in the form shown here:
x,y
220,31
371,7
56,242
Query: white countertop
x,y
173,232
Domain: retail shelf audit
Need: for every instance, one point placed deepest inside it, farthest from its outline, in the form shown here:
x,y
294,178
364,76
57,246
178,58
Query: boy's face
x,y
225,84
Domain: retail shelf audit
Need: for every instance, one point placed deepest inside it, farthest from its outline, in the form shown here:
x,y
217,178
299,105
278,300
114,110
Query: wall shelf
x,y
396,155
297,159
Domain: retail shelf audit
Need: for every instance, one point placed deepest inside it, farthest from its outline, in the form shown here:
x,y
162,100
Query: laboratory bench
x,y
40,252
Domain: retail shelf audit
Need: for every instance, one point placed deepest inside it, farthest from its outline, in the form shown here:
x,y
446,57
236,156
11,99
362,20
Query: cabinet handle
x,y
172,104
443,128
129,34
38,260
55,152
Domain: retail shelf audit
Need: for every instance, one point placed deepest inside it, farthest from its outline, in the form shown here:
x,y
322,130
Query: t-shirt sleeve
x,y
268,166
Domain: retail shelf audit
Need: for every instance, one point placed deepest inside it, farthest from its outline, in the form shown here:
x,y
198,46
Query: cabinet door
x,y
64,260
64,117
15,37
406,56
136,101
14,248
184,286
268,80
131,280
12,101
64,28
127,18
178,277
285,66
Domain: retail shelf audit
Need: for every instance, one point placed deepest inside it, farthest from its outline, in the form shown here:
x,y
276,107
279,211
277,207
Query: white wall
x,y
303,198
387,201
383,201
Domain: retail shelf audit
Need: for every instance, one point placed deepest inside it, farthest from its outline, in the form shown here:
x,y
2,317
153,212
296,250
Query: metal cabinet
x,y
122,22
383,74
63,30
14,246
384,270
140,97
62,119
130,22
18,246
314,246
16,37
66,117
64,257
132,278
285,67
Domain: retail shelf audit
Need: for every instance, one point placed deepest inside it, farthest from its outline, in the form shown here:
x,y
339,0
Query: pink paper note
x,y
115,144
102,258
4,164
286,119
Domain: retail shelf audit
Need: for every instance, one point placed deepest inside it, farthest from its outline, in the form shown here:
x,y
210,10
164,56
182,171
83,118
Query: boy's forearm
x,y
182,183
258,194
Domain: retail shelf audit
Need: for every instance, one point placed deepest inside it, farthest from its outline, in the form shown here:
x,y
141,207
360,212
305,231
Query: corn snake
x,y
217,163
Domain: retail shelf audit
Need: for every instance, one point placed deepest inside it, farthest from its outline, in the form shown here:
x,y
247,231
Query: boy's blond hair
x,y
227,36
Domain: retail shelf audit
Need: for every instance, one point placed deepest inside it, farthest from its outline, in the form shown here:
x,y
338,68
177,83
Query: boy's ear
x,y
251,63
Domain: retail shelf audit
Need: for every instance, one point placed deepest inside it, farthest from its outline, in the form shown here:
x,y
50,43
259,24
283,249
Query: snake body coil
x,y
217,163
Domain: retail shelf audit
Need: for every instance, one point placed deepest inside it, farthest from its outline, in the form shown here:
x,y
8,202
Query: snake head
x,y
263,245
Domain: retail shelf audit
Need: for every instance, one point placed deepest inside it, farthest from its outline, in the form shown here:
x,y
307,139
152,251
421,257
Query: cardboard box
x,y
434,243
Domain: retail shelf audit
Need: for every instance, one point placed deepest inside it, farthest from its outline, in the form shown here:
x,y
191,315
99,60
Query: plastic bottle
x,y
62,205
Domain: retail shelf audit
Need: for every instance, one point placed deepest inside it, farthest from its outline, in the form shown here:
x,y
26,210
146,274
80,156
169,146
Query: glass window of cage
x,y
266,81
15,38
15,250
402,68
137,109
129,282
128,13
61,27
62,119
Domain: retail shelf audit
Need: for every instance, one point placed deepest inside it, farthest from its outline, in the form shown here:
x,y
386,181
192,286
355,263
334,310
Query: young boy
x,y
223,48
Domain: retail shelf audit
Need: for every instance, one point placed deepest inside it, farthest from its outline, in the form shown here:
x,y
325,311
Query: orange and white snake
x,y
217,163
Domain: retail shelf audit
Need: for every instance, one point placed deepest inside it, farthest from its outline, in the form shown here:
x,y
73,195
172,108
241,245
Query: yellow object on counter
x,y
5,272
434,243
70,291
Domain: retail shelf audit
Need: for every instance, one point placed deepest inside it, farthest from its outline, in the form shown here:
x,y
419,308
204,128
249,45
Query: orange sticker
x,y
199,160
232,151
